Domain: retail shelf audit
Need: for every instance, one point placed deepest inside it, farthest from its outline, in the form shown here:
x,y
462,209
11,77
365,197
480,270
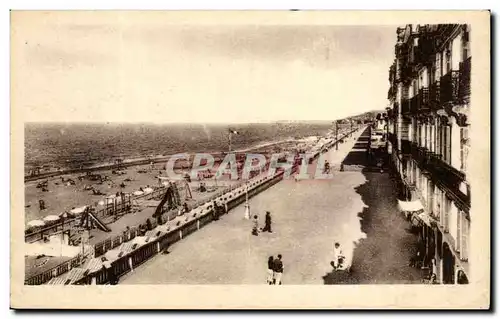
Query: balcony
x,y
405,147
405,72
464,81
414,104
405,106
423,100
396,110
434,96
393,140
423,52
449,87
442,174
444,32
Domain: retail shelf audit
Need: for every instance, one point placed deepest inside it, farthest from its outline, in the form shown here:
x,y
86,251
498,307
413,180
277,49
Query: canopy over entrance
x,y
410,206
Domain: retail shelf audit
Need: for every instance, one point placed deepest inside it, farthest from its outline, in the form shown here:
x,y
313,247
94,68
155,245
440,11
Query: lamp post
x,y
247,204
63,217
337,135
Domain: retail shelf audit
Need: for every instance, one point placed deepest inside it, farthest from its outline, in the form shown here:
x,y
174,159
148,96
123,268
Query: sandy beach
x,y
61,196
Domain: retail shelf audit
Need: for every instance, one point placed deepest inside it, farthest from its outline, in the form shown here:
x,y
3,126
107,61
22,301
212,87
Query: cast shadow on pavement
x,y
383,256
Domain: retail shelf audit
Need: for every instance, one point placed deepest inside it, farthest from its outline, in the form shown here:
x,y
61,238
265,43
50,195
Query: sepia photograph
x,y
240,150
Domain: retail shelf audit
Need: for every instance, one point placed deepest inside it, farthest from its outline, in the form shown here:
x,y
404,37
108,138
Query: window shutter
x,y
447,207
458,245
464,253
448,144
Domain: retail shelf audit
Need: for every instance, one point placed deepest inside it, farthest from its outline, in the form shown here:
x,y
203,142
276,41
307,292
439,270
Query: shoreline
x,y
144,161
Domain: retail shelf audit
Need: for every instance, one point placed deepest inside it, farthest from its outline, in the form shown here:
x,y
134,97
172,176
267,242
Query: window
x,y
419,135
439,65
437,199
447,65
464,148
426,135
446,214
447,143
432,138
456,52
438,140
430,196
466,42
464,238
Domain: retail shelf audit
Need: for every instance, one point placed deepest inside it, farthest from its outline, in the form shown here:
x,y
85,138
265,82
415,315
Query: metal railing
x,y
449,84
423,100
464,82
435,96
442,174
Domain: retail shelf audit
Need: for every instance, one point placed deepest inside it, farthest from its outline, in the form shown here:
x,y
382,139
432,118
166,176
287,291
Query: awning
x,y
410,206
425,218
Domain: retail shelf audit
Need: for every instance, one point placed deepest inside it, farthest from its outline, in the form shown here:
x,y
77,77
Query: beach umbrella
x,y
51,218
36,223
78,210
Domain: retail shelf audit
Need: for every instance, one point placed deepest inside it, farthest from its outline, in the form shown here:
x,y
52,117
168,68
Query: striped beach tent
x,y
61,280
76,274
94,265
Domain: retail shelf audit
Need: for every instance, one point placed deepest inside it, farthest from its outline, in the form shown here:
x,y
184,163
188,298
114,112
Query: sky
x,y
116,68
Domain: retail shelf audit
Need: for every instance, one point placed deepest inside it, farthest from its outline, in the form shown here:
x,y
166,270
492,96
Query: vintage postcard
x,y
250,160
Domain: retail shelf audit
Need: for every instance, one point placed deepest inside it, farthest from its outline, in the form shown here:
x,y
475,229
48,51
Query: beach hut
x,y
51,218
139,240
36,223
78,210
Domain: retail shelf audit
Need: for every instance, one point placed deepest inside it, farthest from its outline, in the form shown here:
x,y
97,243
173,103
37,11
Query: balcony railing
x,y
464,82
434,96
444,32
449,87
442,174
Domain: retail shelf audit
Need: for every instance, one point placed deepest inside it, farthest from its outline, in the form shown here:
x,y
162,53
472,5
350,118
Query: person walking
x,y
255,229
216,211
267,226
278,270
337,255
270,270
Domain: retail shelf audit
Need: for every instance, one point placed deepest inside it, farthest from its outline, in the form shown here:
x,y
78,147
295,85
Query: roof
x,y
35,265
94,265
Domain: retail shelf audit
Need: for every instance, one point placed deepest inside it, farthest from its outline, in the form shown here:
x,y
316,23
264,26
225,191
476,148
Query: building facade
x,y
429,122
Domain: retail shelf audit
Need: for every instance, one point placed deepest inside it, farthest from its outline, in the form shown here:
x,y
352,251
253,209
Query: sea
x,y
75,145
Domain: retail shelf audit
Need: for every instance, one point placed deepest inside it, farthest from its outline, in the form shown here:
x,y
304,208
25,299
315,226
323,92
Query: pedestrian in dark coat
x,y
267,226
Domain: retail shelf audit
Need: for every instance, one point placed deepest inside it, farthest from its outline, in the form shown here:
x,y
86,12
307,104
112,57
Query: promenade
x,y
308,217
